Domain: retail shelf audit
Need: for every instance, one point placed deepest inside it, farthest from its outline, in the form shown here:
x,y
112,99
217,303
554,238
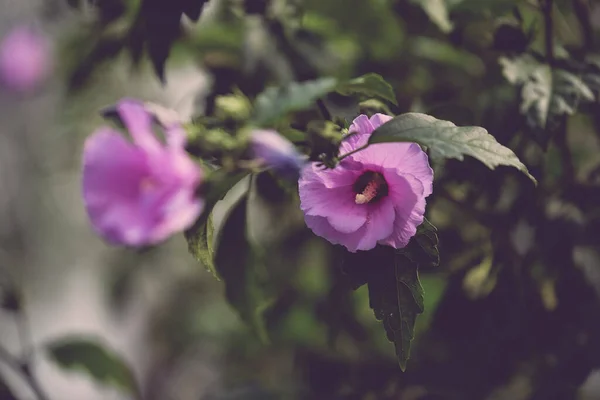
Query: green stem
x,y
353,151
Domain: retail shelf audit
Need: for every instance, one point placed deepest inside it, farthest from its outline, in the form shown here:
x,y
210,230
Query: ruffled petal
x,y
362,125
179,213
380,223
406,192
321,227
379,119
404,157
344,174
113,173
138,122
335,203
112,168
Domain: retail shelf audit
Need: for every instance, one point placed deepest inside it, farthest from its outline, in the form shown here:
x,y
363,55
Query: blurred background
x,y
512,312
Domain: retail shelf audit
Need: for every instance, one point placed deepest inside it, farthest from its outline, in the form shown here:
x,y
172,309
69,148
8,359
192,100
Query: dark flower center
x,y
370,187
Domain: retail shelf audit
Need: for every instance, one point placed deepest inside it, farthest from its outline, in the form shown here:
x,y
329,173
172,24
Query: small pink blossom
x,y
25,59
374,196
139,193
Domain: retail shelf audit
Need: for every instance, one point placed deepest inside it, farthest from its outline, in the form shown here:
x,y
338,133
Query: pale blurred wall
x,y
46,243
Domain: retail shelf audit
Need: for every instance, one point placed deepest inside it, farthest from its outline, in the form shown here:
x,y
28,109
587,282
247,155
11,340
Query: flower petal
x,y
406,191
113,170
380,223
111,167
180,212
138,122
379,119
362,125
335,203
405,157
321,227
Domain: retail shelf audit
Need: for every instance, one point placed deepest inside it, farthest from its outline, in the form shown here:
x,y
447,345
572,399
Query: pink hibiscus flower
x,y
139,193
374,196
25,59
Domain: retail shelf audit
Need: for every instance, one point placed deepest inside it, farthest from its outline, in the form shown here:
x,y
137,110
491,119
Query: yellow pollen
x,y
368,193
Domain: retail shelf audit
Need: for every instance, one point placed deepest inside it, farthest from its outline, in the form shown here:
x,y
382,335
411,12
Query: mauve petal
x,y
379,119
344,214
112,167
138,122
380,223
176,136
321,227
360,130
406,191
404,157
362,125
344,174
25,58
416,163
180,213
336,204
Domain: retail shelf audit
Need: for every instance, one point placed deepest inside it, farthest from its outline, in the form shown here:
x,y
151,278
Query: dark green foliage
x,y
90,356
392,277
158,26
446,140
512,310
243,274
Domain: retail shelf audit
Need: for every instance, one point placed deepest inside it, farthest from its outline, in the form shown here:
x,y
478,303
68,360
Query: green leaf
x,y
423,248
240,269
396,297
395,292
277,102
273,213
200,244
546,93
437,11
90,356
446,140
370,85
200,236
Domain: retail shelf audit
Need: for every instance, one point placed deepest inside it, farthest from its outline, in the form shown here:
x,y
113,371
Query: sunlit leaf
x,y
446,140
371,85
200,236
546,93
480,280
91,357
200,245
276,102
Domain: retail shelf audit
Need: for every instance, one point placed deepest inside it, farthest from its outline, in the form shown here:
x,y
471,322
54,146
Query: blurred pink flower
x,y
275,151
376,195
25,59
139,193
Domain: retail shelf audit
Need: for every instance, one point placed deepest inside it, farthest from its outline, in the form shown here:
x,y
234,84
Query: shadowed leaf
x,y
276,102
370,85
90,356
446,140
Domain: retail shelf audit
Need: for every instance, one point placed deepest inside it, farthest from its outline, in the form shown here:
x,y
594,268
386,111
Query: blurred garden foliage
x,y
509,306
